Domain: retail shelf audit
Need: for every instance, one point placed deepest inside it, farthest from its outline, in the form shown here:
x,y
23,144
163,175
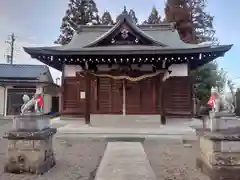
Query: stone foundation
x,y
219,156
30,151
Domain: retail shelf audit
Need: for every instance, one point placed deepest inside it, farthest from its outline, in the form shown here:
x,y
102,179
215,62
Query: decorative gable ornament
x,y
124,33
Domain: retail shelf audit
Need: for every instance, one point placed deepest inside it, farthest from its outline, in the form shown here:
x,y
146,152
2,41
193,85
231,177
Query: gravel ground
x,y
170,160
76,160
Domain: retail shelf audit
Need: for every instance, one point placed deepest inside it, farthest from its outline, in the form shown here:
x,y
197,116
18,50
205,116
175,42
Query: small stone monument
x,y
30,148
220,143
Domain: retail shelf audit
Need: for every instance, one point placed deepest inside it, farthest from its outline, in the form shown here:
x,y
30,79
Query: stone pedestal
x,y
31,122
219,156
223,121
30,148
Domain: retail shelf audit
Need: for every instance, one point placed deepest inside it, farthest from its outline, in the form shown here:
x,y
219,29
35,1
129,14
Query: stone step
x,y
70,118
125,161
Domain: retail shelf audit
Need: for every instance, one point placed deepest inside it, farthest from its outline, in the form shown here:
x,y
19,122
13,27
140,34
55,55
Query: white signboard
x,y
178,70
70,70
82,95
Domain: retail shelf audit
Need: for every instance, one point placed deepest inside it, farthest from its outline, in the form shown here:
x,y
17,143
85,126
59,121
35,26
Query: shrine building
x,y
127,69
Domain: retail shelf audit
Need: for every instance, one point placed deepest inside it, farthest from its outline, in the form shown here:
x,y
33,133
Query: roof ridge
x,y
161,26
117,25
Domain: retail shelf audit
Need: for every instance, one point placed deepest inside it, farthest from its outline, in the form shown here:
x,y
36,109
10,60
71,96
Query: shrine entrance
x,y
142,97
123,96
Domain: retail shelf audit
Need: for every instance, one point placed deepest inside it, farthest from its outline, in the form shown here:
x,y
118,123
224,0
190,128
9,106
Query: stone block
x,y
206,121
30,153
31,122
223,121
230,146
207,145
228,122
218,172
219,156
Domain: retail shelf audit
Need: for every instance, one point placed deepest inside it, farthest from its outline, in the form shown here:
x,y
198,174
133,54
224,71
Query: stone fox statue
x,y
219,102
30,104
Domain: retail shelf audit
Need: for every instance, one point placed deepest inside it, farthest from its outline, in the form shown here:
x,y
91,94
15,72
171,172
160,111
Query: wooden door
x,y
109,96
133,97
142,97
70,99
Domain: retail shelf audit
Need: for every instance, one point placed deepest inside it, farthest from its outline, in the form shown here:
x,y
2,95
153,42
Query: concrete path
x,y
125,161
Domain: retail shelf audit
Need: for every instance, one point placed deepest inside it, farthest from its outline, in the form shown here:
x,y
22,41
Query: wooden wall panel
x,y
177,97
133,97
148,97
116,96
72,103
104,98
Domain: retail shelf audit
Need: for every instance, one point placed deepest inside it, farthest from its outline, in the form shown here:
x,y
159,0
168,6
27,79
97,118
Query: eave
x,y
156,56
4,82
124,50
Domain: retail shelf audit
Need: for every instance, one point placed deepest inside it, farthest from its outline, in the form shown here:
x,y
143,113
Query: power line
x,y
11,42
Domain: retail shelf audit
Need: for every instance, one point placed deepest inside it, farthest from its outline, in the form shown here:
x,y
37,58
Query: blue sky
x,y
37,22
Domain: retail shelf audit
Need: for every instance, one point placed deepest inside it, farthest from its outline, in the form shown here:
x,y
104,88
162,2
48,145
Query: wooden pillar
x,y
62,90
162,111
163,116
88,97
124,97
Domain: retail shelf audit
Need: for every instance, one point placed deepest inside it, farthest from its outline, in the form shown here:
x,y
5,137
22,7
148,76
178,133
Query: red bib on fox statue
x,y
40,102
211,100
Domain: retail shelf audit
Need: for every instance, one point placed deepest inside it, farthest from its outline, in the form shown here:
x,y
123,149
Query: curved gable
x,y
125,33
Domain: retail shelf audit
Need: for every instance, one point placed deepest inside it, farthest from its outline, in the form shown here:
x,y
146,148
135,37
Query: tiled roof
x,y
23,71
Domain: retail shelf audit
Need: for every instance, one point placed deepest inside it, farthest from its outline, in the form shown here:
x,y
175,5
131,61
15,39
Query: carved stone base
x,y
30,152
219,172
219,156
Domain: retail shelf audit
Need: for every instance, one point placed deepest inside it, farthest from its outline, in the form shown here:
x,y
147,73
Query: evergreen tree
x,y
207,77
191,15
202,21
178,11
154,17
107,18
79,12
195,26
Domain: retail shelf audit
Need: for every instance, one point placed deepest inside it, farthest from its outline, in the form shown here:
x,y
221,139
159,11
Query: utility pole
x,y
11,42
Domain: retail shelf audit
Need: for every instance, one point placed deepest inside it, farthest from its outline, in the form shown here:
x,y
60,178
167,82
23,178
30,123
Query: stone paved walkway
x,y
125,161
